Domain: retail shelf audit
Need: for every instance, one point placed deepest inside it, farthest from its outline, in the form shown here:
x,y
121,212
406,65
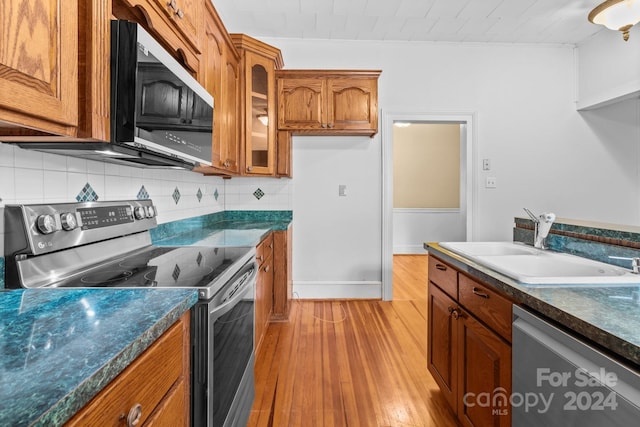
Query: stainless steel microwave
x,y
157,107
160,115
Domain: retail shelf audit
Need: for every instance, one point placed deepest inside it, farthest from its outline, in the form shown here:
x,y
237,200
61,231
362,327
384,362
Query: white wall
x,y
413,227
608,68
336,240
544,154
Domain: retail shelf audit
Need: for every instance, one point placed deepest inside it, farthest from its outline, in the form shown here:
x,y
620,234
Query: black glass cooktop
x,y
158,266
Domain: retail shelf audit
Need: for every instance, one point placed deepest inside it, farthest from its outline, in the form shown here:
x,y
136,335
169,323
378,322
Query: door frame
x,y
467,178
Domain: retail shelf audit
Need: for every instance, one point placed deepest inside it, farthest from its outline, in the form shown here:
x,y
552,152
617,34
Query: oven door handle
x,y
223,309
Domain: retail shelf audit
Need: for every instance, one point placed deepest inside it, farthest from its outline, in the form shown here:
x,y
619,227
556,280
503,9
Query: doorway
x,y
461,216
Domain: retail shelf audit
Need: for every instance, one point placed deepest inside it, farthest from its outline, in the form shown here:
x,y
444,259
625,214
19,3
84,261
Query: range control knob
x,y
139,212
46,224
150,211
68,221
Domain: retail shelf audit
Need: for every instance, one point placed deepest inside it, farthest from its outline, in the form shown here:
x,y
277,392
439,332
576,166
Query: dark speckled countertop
x,y
607,315
60,347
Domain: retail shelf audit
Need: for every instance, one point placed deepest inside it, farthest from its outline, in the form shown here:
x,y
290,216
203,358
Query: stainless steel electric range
x,y
108,244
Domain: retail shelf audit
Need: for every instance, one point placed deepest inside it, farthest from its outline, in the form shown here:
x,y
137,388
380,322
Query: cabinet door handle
x,y
441,267
478,292
266,269
135,414
259,257
172,4
180,13
330,125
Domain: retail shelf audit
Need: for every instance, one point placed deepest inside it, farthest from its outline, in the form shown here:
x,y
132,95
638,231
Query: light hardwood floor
x,y
352,363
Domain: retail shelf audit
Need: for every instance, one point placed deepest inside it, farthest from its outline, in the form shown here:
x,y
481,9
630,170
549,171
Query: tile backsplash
x,y
34,177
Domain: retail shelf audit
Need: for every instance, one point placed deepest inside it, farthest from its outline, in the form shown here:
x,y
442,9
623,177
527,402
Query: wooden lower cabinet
x,y
469,361
442,348
282,274
484,374
264,289
156,386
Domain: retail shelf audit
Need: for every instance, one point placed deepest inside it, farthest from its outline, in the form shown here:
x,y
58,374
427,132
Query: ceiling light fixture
x,y
619,15
401,124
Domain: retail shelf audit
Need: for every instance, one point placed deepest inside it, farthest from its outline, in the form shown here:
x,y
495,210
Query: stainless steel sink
x,y
533,266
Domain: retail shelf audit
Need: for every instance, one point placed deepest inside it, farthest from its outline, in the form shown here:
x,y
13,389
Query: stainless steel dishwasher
x,y
559,380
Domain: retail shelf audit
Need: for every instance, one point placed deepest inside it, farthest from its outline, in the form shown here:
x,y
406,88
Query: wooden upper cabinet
x,y
39,65
259,62
176,24
54,70
187,18
322,102
221,77
300,103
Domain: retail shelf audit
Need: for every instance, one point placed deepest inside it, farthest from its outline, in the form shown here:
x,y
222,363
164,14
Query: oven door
x,y
223,353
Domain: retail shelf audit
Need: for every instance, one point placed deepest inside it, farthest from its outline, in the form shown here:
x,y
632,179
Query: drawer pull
x,y
476,291
441,267
135,414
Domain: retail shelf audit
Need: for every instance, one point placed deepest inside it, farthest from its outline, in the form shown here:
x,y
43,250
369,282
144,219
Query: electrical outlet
x,y
490,182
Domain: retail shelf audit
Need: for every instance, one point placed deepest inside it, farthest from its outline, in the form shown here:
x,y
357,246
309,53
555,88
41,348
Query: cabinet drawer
x,y
264,251
170,413
443,275
145,382
486,304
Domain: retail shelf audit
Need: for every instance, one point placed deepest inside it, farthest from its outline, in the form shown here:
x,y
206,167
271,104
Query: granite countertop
x,y
230,230
60,347
607,315
225,234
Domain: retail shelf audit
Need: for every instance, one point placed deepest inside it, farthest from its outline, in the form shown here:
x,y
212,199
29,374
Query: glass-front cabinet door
x,y
258,146
260,153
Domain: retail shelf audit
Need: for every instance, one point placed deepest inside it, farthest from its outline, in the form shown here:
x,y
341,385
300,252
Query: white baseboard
x,y
409,250
337,290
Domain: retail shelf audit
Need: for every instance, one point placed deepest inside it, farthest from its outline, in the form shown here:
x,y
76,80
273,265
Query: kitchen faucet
x,y
542,224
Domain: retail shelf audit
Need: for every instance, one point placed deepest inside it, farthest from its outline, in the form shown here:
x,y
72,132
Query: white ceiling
x,y
517,21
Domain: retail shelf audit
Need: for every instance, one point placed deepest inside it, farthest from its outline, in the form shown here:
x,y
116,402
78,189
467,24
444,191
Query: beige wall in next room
x,y
426,166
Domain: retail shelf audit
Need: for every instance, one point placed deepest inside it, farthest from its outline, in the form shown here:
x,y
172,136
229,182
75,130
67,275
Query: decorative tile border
x,y
87,194
142,193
